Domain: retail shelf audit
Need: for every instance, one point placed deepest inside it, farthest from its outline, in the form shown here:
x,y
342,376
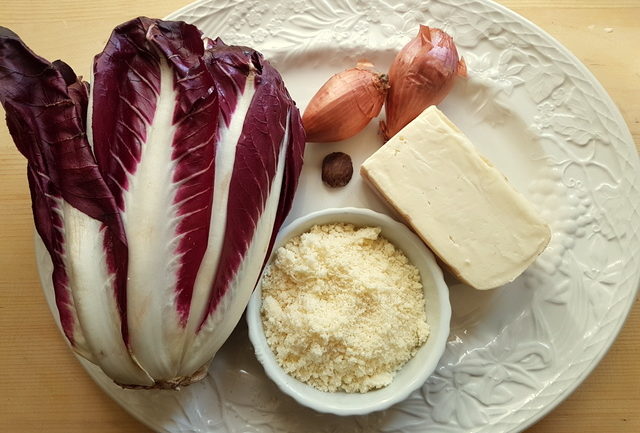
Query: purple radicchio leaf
x,y
46,105
258,161
154,124
271,126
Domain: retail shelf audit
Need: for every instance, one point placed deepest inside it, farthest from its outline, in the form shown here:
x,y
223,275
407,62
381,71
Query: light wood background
x,y
44,389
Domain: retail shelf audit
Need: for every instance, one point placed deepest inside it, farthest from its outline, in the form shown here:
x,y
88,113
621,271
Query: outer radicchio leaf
x,y
257,151
293,164
154,124
45,107
258,161
196,114
45,104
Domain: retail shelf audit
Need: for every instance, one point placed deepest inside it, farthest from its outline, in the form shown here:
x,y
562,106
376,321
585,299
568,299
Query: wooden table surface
x,y
42,386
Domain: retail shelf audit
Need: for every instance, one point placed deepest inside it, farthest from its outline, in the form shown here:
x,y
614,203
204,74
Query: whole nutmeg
x,y
337,169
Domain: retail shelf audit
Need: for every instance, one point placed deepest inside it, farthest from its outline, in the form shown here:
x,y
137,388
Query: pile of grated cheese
x,y
342,308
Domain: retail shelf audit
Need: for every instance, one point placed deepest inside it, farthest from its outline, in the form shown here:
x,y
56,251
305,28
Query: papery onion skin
x,y
422,74
345,104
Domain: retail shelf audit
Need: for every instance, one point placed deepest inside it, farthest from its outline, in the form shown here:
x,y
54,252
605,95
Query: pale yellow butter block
x,y
461,206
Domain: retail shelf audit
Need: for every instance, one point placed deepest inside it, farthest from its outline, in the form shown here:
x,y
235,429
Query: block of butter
x,y
461,206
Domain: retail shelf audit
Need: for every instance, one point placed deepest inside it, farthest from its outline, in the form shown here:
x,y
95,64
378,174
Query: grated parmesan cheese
x,y
342,308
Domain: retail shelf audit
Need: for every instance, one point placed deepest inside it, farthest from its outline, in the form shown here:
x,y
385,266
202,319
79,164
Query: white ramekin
x,y
415,372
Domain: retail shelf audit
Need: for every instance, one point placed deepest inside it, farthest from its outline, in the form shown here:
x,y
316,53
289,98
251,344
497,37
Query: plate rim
x,y
619,119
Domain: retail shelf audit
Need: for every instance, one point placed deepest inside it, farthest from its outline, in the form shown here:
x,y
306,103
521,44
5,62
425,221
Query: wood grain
x,y
44,389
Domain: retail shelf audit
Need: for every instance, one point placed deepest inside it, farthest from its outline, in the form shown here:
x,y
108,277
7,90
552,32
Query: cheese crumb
x,y
342,308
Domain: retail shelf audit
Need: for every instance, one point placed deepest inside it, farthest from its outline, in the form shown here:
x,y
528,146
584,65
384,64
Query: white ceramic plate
x,y
543,119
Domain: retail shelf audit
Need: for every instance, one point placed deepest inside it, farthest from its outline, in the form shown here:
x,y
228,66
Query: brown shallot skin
x,y
422,74
345,104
